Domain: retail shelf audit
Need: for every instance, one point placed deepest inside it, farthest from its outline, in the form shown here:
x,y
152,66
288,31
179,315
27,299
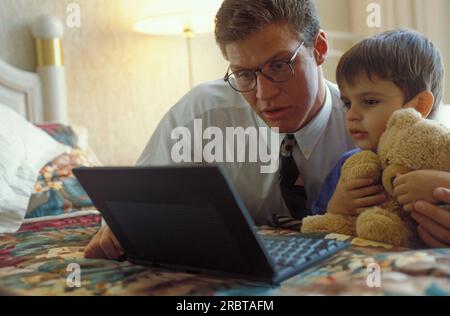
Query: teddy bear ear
x,y
404,118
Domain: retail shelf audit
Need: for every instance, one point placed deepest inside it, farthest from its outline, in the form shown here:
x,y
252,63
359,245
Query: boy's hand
x,y
351,197
104,245
418,185
434,221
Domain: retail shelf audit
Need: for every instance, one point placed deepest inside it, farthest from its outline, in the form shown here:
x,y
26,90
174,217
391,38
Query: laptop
x,y
192,219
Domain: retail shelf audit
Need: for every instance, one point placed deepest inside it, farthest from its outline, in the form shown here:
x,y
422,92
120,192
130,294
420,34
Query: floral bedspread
x,y
42,259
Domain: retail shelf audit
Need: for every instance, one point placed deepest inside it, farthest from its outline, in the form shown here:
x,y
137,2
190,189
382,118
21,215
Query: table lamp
x,y
180,19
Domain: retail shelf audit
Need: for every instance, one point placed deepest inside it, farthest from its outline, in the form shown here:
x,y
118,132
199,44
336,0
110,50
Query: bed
x,y
42,256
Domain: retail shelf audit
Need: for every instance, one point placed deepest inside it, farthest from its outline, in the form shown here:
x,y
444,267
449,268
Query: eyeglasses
x,y
278,71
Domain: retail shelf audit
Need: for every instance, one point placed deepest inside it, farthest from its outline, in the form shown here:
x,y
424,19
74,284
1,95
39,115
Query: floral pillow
x,y
57,191
61,133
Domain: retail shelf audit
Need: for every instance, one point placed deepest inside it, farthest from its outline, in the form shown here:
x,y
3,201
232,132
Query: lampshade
x,y
178,17
176,24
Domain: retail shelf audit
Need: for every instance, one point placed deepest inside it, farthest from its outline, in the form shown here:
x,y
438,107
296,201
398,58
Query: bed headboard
x,y
39,97
21,90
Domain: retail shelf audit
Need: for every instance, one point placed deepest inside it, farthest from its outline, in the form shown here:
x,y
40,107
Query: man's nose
x,y
265,89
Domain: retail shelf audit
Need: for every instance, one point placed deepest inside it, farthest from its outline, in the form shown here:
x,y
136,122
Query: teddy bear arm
x,y
329,223
364,164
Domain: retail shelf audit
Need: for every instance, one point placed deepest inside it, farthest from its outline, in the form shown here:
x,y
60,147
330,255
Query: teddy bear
x,y
409,143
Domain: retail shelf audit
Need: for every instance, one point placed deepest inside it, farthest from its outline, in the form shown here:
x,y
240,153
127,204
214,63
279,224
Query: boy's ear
x,y
321,48
422,103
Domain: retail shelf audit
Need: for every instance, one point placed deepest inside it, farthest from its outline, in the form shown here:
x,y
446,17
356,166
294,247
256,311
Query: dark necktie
x,y
293,193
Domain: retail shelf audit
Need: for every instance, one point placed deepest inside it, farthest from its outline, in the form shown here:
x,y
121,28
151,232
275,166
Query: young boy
x,y
379,75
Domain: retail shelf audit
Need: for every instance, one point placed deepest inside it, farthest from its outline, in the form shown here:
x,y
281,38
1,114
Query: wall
x,y
121,83
335,18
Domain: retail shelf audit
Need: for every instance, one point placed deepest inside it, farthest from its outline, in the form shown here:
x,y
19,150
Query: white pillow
x,y
24,151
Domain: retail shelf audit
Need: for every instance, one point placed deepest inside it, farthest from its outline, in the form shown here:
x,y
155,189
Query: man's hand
x,y
434,221
351,197
104,245
418,185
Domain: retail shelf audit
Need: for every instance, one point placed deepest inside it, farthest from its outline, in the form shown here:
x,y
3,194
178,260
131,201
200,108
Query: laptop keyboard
x,y
296,251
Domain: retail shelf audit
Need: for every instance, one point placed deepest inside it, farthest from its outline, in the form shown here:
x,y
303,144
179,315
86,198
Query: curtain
x,y
429,17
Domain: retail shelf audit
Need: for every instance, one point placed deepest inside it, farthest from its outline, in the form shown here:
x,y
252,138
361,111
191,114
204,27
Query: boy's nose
x,y
353,114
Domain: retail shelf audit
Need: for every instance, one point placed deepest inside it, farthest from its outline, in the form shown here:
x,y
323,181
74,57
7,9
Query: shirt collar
x,y
308,137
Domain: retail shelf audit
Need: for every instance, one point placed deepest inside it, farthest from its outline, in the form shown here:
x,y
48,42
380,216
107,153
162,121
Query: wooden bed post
x,y
48,32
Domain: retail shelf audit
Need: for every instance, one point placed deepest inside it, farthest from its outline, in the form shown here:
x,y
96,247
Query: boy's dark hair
x,y
236,20
404,57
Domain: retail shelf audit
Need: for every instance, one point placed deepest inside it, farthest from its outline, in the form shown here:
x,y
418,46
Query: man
x,y
276,50
434,220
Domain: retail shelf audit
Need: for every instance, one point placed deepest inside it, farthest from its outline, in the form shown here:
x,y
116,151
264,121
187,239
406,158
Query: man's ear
x,y
423,103
321,48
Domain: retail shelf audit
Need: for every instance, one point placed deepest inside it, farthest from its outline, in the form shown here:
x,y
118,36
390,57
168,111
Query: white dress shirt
x,y
321,143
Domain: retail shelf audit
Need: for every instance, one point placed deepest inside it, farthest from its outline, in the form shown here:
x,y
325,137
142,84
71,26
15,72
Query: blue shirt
x,y
329,186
